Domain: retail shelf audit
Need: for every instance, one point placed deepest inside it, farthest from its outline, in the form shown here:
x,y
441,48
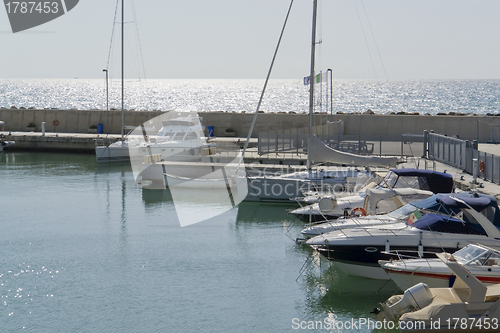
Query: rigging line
x,y
254,120
138,38
134,56
366,41
374,40
112,35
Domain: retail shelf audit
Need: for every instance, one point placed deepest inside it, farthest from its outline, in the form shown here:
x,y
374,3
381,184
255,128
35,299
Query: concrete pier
x,y
388,127
57,142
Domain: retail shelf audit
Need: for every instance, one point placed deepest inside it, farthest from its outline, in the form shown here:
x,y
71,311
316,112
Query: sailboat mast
x,y
123,70
312,76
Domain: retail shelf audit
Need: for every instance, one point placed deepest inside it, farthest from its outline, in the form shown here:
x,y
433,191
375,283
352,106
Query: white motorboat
x,y
480,260
357,251
180,138
331,207
468,306
411,210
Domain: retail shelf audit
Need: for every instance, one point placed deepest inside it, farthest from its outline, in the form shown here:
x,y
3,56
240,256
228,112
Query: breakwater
x,y
387,126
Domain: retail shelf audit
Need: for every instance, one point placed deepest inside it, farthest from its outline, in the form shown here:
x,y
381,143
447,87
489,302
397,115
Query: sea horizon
x,y
430,96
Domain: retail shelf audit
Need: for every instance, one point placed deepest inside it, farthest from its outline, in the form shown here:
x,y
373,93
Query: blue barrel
x,y
100,128
210,130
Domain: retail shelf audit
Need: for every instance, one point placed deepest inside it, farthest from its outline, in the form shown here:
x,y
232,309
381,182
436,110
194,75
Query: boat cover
x,y
438,182
477,203
447,224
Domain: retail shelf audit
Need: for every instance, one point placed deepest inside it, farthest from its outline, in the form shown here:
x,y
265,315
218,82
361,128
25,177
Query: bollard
x,y
426,146
43,128
474,170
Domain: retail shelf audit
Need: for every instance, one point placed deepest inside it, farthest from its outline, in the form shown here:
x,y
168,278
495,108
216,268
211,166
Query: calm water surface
x,y
83,249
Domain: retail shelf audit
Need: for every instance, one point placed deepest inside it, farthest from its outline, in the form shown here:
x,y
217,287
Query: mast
x,y
123,71
312,76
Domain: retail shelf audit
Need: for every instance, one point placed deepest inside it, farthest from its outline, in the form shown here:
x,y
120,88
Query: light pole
x,y
331,89
107,96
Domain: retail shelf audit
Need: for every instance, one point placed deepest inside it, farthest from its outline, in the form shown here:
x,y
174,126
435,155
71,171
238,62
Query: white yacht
x,y
179,139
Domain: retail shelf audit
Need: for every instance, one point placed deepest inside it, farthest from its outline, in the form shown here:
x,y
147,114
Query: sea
x,y
347,96
84,249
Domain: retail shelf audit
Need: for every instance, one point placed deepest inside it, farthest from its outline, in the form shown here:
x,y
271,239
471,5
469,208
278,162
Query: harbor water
x,y
84,249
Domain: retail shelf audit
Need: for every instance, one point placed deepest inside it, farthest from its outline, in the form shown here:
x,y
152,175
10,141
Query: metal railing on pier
x,y
332,133
463,155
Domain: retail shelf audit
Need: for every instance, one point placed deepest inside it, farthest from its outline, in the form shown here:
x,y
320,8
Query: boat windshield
x,y
422,205
389,180
163,132
403,211
191,136
477,255
179,136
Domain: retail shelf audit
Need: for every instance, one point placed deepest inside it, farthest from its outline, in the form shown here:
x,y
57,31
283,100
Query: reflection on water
x,y
54,163
264,213
156,198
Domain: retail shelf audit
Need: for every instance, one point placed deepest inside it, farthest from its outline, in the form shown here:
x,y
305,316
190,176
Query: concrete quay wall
x,y
384,126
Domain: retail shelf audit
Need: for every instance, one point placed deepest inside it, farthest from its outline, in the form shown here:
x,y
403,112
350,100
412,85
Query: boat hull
x,y
436,275
112,154
362,260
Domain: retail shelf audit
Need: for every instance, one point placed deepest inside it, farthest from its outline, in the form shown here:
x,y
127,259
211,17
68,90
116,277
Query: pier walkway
x,y
85,143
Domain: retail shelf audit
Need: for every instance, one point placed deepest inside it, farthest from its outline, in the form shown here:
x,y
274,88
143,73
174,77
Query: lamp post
x,y
331,89
107,96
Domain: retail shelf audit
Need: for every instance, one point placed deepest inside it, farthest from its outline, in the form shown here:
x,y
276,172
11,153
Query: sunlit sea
x,y
83,249
349,96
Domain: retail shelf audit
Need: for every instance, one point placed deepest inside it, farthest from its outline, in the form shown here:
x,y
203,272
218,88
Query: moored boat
x,y
480,260
470,219
467,306
420,179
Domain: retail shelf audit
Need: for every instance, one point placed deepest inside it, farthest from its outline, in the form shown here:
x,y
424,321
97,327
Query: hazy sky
x,y
235,39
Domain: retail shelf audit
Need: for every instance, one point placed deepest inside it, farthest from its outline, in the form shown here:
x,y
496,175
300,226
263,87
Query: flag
x,y
320,77
413,217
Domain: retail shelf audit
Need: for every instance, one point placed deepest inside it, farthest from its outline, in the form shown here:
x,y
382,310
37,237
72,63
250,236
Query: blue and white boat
x,y
462,219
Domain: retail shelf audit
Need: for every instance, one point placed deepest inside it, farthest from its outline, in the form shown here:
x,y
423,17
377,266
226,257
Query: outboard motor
x,y
415,298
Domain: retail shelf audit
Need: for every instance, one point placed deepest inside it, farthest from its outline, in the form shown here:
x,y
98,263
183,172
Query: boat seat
x,y
493,290
449,295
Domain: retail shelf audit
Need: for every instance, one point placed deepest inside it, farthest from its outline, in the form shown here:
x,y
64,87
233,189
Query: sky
x,y
236,39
